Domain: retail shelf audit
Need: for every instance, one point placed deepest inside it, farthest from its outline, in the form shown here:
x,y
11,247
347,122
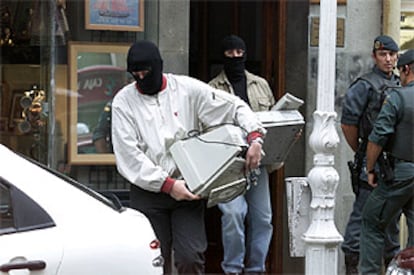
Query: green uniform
x,y
387,200
103,128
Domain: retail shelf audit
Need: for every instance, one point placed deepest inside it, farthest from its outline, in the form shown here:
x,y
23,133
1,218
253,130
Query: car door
x,y
29,238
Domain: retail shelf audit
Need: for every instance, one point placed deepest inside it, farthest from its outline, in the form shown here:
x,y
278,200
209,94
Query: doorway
x,y
262,25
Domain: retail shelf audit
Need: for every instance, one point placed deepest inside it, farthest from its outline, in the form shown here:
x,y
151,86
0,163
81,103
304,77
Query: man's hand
x,y
373,152
253,156
372,179
180,192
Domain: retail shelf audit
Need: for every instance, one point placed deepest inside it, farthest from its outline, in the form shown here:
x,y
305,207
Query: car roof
x,y
56,195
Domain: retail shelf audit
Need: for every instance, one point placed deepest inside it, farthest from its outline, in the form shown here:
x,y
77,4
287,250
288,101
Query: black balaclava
x,y
234,66
144,55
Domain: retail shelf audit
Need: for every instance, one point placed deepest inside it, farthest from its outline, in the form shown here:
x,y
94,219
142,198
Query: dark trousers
x,y
179,226
384,204
352,236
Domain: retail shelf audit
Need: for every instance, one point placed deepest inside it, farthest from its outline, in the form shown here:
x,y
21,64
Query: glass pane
x,y
34,39
6,211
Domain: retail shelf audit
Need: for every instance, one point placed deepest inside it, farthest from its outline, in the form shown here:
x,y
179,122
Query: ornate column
x,y
322,238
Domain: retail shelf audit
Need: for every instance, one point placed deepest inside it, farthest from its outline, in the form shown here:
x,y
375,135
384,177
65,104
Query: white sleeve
x,y
217,106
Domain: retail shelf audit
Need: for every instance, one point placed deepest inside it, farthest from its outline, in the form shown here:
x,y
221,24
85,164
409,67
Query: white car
x,y
50,224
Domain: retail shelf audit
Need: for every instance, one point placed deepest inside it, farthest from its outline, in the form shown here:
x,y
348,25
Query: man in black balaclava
x,y
143,56
148,116
234,50
254,206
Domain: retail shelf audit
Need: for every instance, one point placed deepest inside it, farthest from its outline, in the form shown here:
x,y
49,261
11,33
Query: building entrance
x,y
261,24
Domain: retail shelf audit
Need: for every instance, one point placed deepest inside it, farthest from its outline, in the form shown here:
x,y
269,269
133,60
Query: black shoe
x,y
351,263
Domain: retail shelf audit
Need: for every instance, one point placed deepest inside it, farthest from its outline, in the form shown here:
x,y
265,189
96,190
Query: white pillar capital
x,y
324,138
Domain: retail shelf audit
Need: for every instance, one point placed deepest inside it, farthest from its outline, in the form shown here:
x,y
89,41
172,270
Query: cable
x,y
195,133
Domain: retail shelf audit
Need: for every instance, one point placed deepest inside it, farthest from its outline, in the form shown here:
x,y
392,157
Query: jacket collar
x,y
222,78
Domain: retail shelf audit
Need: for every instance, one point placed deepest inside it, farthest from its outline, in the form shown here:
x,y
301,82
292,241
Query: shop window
x,y
34,46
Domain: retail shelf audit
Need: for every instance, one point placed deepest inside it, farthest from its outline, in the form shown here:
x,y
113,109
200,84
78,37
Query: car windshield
x,y
113,203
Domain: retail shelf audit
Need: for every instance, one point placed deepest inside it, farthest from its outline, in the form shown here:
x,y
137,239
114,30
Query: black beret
x,y
406,58
384,42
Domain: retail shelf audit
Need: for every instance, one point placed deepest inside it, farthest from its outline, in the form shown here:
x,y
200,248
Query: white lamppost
x,y
322,238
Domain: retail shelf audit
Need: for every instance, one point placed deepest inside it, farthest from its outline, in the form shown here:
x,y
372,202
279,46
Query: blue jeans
x,y
385,203
247,228
353,229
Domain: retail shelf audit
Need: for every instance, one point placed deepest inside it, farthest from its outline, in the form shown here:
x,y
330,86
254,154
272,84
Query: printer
x,y
212,163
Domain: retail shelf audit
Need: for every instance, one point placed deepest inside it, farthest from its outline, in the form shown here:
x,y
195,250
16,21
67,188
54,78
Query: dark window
x,y
6,210
19,212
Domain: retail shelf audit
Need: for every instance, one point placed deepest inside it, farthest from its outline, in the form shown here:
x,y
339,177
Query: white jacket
x,y
144,127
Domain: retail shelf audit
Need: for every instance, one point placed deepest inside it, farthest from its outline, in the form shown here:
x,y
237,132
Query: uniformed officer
x,y
361,106
102,133
393,133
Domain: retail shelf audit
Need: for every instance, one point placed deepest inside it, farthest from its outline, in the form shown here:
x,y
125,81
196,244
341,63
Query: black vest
x,y
401,145
381,87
